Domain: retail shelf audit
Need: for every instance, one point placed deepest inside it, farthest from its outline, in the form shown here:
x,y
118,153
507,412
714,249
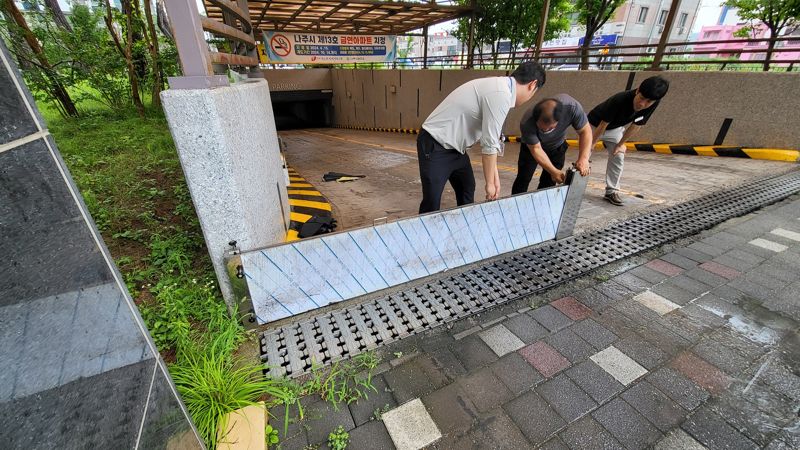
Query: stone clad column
x,y
229,151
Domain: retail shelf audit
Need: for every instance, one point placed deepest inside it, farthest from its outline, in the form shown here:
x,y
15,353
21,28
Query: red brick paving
x,y
721,270
664,267
544,358
706,375
572,308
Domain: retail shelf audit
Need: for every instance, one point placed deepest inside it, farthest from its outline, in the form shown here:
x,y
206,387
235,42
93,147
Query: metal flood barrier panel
x,y
289,279
294,348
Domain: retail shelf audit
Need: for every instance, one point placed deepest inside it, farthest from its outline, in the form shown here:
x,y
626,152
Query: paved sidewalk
x,y
693,346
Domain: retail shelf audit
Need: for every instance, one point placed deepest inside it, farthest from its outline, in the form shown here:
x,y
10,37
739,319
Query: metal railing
x,y
679,55
198,59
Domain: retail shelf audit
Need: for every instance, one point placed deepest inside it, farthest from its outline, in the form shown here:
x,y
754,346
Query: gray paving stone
x,y
595,381
515,373
636,313
468,332
587,434
363,409
642,351
648,274
757,422
451,409
593,298
570,345
656,407
501,340
665,339
693,321
485,390
408,381
735,263
618,323
613,291
554,444
788,438
595,334
450,365
727,293
323,418
629,427
370,436
680,261
704,249
494,430
677,439
757,250
410,426
294,435
569,401
473,353
766,279
632,282
697,255
783,379
534,417
526,328
550,318
726,357
434,340
753,289
776,270
679,388
741,255
705,277
673,292
711,430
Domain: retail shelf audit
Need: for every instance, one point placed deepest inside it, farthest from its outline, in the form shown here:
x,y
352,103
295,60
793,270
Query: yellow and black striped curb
x,y
305,201
727,151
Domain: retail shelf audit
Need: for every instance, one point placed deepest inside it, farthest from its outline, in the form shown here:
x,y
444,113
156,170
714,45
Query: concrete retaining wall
x,y
764,106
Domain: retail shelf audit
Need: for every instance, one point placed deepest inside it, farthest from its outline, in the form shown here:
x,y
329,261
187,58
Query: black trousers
x,y
526,165
437,166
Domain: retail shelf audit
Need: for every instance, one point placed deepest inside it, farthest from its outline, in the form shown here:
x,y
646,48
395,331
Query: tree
x,y
593,14
58,15
127,51
155,59
32,54
775,14
515,21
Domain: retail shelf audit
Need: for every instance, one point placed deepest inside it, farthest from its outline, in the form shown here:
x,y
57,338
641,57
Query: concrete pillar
x,y
230,155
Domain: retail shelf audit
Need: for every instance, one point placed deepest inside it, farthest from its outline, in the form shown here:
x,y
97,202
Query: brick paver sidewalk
x,y
693,346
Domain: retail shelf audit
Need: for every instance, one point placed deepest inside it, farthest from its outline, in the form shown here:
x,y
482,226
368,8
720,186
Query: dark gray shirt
x,y
572,116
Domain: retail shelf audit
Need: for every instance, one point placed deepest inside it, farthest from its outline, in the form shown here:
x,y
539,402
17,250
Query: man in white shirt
x,y
475,111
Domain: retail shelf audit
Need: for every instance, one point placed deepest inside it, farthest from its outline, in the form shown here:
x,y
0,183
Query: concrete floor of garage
x,y
392,187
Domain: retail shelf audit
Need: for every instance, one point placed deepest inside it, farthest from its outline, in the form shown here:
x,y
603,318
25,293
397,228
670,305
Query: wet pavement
x,y
692,345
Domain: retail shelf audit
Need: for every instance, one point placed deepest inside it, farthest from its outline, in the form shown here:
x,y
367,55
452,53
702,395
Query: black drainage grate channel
x,y
291,349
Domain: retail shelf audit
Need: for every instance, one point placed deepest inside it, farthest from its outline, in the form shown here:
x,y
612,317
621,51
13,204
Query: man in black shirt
x,y
609,118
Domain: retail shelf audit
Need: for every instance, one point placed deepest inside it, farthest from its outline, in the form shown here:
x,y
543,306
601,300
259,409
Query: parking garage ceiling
x,y
333,16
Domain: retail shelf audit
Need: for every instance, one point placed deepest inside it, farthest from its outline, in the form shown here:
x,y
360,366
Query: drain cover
x,y
331,336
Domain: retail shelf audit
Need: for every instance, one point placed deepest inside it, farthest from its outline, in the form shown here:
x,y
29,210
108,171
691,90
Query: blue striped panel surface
x,y
289,279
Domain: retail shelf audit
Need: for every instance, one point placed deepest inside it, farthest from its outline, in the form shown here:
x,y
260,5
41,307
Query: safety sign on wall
x,y
307,48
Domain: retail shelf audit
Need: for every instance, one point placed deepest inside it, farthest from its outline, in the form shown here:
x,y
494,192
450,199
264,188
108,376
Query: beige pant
x,y
615,162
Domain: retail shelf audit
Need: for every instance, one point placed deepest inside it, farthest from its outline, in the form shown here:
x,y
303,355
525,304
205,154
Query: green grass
x,y
128,171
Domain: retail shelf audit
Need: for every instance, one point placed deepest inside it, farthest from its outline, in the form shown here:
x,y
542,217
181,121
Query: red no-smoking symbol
x,y
280,45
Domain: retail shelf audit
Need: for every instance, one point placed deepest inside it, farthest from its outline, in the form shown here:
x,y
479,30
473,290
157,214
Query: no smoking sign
x,y
280,45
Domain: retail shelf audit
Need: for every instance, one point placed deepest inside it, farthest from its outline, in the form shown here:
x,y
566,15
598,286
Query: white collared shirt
x,y
474,111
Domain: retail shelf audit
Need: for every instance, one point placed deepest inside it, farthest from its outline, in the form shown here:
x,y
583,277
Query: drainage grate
x,y
328,337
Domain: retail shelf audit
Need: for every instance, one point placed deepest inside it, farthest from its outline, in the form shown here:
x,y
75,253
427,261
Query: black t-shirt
x,y
618,111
